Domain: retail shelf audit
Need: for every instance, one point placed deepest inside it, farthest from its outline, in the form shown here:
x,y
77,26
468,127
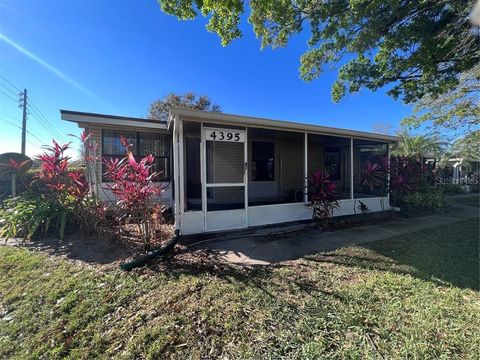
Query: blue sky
x,y
116,57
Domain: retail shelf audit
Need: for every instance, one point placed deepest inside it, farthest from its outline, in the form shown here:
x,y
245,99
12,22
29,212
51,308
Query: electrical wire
x,y
8,82
19,127
9,96
19,121
32,109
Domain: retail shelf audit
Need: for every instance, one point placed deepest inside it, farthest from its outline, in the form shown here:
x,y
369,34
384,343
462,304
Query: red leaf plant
x,y
68,188
323,198
134,189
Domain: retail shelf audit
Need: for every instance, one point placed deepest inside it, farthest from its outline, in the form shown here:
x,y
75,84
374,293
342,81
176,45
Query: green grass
x,y
470,201
413,296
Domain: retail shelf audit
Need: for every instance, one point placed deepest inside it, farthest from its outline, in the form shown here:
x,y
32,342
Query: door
x,y
224,178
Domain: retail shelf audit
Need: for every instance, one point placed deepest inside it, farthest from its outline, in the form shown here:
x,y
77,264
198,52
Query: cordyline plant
x,y
69,187
373,177
134,190
58,197
323,198
407,175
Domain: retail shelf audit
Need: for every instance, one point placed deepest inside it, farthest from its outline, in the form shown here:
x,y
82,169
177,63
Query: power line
x,y
8,82
7,95
16,119
7,88
19,127
34,108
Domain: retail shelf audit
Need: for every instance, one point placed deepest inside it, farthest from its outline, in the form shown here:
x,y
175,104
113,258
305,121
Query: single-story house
x,y
224,171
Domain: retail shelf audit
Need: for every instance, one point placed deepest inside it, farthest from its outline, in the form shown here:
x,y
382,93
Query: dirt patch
x,y
87,250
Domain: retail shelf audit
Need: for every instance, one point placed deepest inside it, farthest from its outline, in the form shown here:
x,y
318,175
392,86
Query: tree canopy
x,y
457,109
159,108
416,47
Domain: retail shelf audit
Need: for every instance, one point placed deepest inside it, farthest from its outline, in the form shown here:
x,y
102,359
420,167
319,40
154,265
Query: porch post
x,y
176,174
351,168
388,174
245,174
203,174
181,161
305,172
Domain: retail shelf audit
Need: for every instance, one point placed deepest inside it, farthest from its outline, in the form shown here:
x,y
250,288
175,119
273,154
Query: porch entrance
x,y
224,177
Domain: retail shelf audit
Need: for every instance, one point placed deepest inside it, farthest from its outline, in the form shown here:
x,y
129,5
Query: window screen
x,y
142,144
263,161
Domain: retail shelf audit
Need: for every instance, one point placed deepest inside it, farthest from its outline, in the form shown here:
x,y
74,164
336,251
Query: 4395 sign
x,y
226,135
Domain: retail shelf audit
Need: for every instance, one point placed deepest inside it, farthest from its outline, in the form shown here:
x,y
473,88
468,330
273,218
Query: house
x,y
224,171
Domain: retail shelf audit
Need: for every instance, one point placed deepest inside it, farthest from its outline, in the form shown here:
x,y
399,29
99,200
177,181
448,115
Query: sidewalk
x,y
264,250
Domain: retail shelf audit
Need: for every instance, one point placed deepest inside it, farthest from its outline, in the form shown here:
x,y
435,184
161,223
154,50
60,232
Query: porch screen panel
x,y
225,198
225,162
370,176
192,177
275,167
330,155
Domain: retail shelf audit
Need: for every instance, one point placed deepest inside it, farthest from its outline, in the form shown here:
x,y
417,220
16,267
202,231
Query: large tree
x,y
417,47
159,108
457,110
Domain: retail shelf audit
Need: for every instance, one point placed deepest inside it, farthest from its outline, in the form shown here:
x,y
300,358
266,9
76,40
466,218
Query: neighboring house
x,y
224,171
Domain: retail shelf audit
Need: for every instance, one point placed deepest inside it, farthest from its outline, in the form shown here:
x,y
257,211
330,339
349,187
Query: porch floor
x,y
261,249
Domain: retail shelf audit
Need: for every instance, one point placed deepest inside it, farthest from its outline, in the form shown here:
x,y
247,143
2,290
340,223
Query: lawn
x,y
470,201
413,296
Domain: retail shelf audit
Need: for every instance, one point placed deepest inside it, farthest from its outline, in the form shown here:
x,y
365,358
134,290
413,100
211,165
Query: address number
x,y
224,135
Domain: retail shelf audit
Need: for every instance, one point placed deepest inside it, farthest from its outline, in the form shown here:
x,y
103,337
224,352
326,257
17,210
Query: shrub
x,y
323,198
424,202
32,213
133,187
407,175
450,189
57,199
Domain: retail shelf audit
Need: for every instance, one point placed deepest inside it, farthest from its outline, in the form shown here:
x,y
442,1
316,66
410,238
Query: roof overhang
x,y
84,119
232,119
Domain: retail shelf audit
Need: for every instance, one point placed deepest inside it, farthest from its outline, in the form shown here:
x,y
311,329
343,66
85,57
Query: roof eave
x,y
285,125
109,120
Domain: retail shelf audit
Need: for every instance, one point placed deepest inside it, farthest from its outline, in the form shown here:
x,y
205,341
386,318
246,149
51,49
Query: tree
x,y
458,109
417,47
467,147
419,146
159,108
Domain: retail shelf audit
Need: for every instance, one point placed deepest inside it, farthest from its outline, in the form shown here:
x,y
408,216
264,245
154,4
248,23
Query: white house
x,y
224,171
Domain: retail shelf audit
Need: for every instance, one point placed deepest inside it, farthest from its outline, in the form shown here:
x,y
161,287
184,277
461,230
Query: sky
x,y
116,57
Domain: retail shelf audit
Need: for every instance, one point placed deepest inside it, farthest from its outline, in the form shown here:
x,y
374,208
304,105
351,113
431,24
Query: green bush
x,y
424,202
451,189
33,213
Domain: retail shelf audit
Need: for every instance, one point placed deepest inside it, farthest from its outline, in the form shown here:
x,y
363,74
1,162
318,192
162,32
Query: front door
x,y
224,178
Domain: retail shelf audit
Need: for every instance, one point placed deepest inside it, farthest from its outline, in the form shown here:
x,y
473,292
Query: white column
x,y
305,170
245,177
203,174
388,175
351,168
181,166
176,174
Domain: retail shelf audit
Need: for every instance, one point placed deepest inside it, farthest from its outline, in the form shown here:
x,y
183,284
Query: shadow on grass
x,y
92,250
447,254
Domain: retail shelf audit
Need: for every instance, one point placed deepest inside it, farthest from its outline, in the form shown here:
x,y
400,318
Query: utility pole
x,y
24,120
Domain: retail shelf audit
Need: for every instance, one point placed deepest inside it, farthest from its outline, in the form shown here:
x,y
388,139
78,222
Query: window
x,y
142,144
370,176
263,161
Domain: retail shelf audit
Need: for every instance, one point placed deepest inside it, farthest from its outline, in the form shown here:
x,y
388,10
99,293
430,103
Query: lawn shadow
x,y
88,249
263,278
446,255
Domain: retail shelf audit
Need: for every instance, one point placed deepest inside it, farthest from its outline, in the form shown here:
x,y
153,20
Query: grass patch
x,y
413,296
470,201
